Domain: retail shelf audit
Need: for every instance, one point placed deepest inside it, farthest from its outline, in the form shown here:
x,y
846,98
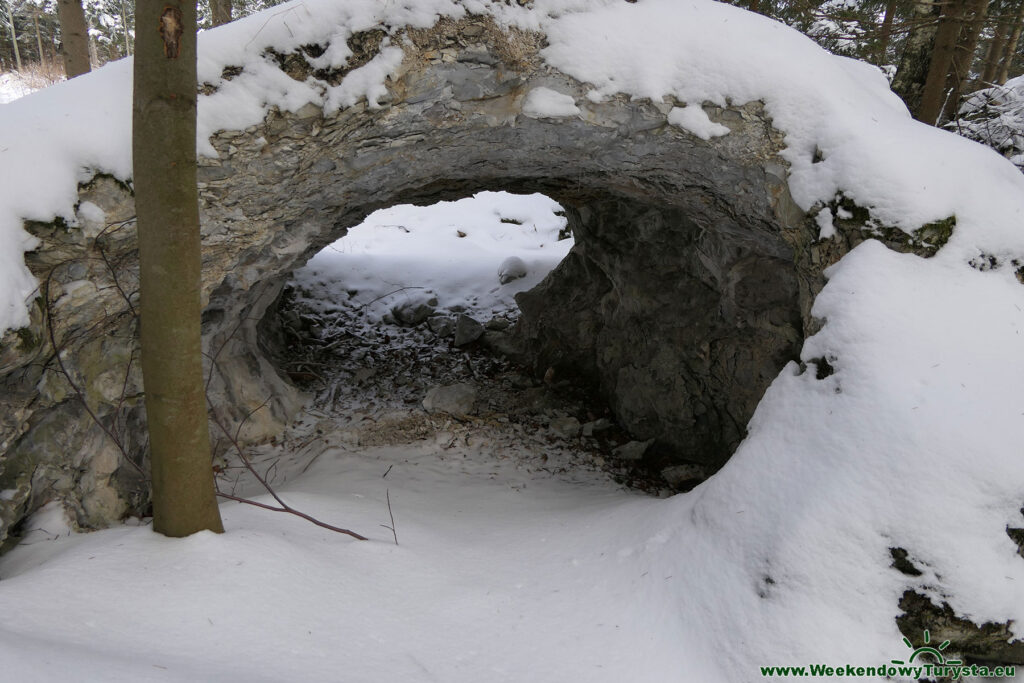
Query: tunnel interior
x,y
669,322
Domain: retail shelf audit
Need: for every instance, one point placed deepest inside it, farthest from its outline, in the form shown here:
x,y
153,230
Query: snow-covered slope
x,y
783,557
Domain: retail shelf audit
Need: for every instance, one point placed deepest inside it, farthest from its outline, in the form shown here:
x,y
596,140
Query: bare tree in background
x,y
220,11
14,34
74,37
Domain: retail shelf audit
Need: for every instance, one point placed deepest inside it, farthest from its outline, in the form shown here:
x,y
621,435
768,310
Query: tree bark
x,y
913,68
1011,47
166,201
74,37
942,60
14,35
963,56
220,11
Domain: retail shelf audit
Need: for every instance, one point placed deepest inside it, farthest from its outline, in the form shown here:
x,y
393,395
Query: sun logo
x,y
928,649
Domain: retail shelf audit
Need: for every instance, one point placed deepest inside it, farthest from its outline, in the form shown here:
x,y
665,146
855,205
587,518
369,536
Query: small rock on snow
x,y
412,314
454,399
511,269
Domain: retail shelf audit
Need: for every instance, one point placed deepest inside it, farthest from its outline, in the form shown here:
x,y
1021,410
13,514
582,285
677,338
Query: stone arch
x,y
687,291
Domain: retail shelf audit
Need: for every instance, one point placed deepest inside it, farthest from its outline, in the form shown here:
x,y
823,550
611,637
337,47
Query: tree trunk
x,y
1011,47
166,202
127,36
885,32
913,68
14,35
74,37
39,38
963,56
942,60
220,11
995,46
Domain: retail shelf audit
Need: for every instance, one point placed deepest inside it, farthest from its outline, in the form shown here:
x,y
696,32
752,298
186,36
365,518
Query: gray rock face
x,y
688,288
454,399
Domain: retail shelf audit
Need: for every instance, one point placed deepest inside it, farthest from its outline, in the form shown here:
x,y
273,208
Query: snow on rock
x,y
511,269
695,120
827,228
547,103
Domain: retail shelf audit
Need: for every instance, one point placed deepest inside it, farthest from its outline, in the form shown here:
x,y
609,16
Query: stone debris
x,y
455,399
467,330
497,324
591,428
565,427
634,450
679,476
441,325
412,314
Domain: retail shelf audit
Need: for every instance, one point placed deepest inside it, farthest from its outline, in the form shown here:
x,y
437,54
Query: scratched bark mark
x,y
171,31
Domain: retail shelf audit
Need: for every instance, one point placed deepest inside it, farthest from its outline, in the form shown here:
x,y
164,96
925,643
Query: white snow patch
x,y
449,251
367,82
694,119
547,103
826,228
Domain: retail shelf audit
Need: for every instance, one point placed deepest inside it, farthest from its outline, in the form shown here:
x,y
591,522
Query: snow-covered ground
x,y
451,251
510,573
13,86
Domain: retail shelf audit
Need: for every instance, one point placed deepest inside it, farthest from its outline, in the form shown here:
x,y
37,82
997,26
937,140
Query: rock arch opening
x,y
687,289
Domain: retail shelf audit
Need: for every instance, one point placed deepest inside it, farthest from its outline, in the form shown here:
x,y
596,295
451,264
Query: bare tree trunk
x,y
127,37
39,38
913,68
14,35
963,56
942,59
995,47
166,202
74,37
1011,47
220,10
885,32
